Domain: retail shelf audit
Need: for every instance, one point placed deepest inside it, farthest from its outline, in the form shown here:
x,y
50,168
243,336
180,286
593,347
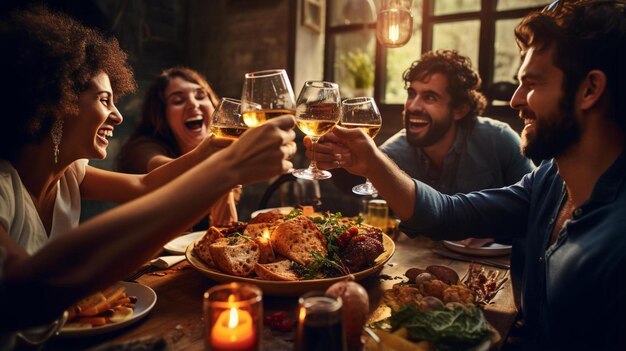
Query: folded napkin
x,y
165,262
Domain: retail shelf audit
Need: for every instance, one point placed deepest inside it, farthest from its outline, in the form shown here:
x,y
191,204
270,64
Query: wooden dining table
x,y
176,323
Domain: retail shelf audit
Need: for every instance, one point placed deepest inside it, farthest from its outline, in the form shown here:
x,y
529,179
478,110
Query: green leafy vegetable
x,y
448,328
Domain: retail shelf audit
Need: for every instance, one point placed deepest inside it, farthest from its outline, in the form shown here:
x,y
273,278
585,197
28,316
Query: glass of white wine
x,y
362,113
317,112
265,95
227,121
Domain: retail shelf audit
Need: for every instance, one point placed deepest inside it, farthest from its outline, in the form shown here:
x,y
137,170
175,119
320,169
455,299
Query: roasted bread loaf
x,y
202,246
297,238
236,256
280,270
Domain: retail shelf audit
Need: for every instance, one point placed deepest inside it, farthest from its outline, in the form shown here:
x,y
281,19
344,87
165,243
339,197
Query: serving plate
x,y
493,249
146,298
290,288
283,210
178,245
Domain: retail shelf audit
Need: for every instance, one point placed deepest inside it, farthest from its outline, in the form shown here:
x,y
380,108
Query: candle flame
x,y
233,318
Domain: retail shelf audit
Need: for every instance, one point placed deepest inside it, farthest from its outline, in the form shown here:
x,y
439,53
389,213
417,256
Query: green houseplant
x,y
360,68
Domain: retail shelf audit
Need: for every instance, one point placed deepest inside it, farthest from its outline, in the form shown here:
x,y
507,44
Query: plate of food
x,y
288,255
178,245
490,249
111,309
436,309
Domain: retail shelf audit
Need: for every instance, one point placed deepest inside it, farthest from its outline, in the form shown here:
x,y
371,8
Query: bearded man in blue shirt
x,y
572,208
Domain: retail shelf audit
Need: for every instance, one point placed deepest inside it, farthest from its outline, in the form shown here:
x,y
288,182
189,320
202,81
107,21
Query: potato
x,y
445,274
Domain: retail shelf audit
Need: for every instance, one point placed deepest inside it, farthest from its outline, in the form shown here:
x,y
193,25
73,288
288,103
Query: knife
x,y
459,257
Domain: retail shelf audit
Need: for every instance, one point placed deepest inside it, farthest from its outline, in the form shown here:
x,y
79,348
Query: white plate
x,y
146,298
179,245
283,210
493,249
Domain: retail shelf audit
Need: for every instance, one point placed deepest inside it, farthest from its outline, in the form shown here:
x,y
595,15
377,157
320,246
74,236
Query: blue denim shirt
x,y
484,155
574,291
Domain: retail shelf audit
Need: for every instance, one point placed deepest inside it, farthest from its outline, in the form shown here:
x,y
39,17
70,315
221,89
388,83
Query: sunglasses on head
x,y
557,5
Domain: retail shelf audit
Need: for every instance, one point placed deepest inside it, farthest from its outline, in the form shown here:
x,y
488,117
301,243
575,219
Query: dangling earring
x,y
56,133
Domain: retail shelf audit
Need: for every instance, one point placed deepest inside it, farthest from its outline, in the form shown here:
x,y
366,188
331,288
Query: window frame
x,y
488,16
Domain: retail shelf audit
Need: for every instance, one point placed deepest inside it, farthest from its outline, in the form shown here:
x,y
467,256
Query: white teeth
x,y
106,133
193,119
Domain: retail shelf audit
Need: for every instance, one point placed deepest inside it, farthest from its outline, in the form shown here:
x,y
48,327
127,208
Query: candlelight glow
x,y
233,318
266,234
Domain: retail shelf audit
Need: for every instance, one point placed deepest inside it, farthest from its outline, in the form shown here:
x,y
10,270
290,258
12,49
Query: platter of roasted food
x,y
110,309
437,310
290,254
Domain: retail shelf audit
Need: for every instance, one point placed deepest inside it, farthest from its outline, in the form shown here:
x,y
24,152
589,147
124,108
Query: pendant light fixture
x,y
394,26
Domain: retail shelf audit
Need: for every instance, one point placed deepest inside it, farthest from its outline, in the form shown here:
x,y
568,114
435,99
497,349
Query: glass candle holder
x,y
233,317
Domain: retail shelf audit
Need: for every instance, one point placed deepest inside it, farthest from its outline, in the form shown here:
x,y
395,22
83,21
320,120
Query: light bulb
x,y
394,26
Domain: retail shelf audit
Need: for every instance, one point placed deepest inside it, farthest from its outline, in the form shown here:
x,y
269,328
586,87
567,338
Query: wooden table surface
x,y
177,316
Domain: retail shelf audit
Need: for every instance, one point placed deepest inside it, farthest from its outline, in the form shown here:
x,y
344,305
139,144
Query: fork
x,y
138,273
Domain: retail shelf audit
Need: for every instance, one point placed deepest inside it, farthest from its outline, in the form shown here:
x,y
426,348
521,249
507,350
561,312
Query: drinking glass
x,y
265,95
362,113
320,323
317,112
226,121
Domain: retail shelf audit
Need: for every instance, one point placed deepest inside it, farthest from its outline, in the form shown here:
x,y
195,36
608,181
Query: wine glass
x,y
226,121
362,113
317,112
265,95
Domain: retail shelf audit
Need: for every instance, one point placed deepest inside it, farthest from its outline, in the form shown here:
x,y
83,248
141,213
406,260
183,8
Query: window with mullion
x,y
479,29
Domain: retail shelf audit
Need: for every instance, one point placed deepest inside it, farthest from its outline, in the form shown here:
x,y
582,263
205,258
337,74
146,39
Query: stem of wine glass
x,y
371,188
313,164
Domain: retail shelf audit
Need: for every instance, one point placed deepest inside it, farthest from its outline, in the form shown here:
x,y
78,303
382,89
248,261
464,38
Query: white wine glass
x,y
362,113
317,112
227,121
265,95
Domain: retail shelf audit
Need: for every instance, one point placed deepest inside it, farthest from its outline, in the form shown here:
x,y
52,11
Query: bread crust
x,y
297,239
278,271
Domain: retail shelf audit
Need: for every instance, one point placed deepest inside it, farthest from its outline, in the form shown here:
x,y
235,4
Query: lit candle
x,y
233,330
265,247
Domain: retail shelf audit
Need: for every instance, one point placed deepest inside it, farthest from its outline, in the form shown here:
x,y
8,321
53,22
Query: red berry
x,y
274,318
285,325
353,230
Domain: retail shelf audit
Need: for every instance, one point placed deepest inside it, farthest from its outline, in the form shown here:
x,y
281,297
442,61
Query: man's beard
x,y
436,130
552,139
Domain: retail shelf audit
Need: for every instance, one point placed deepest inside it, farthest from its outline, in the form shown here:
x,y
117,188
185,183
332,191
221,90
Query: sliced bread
x,y
297,238
202,246
280,270
235,258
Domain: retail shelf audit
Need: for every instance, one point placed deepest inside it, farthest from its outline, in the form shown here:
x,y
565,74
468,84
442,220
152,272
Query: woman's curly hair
x,y
48,59
463,80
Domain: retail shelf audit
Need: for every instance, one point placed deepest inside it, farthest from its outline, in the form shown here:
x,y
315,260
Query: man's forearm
x,y
393,184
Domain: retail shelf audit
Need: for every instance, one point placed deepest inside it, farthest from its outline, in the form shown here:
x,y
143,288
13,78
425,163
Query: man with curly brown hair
x,y
444,143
